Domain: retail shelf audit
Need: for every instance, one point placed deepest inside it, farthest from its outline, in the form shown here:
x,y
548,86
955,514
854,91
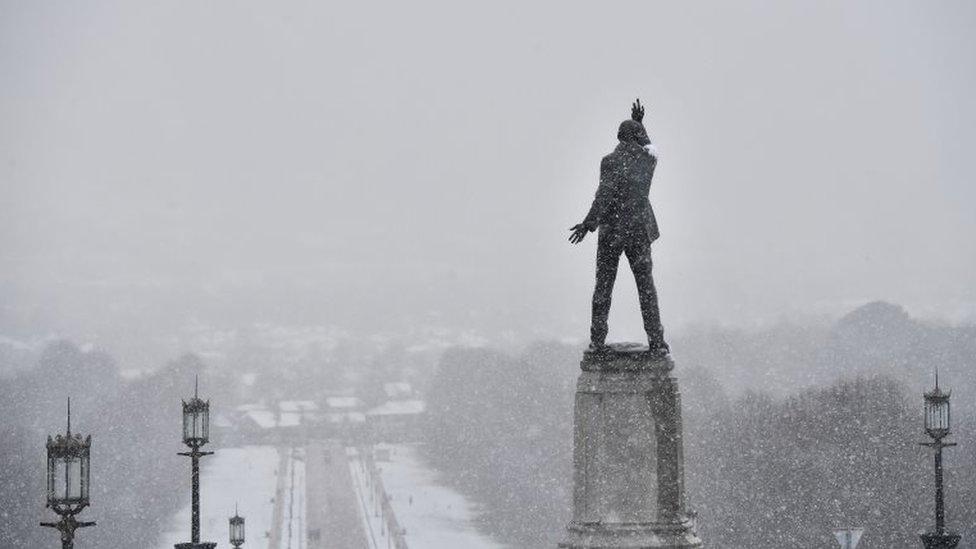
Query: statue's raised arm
x,y
637,112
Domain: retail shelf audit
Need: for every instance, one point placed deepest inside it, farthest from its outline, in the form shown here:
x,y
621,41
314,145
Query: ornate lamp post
x,y
68,474
196,433
236,529
937,422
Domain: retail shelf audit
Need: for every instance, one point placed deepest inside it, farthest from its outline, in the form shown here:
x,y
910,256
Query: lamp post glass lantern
x,y
937,413
68,472
236,530
196,420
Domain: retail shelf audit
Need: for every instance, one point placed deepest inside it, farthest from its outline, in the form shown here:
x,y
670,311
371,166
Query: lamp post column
x,y
939,492
195,481
195,454
67,532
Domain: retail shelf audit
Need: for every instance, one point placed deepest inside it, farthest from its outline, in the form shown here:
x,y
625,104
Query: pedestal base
x,y
630,536
932,540
201,545
628,457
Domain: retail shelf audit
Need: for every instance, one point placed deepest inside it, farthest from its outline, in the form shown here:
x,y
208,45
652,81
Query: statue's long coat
x,y
621,208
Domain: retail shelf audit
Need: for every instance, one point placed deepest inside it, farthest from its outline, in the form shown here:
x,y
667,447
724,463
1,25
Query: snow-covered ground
x,y
246,477
433,516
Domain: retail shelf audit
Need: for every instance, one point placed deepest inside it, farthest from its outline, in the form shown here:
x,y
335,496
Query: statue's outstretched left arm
x,y
604,194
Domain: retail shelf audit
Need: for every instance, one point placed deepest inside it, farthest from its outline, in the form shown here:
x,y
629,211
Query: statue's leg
x,y
607,259
639,255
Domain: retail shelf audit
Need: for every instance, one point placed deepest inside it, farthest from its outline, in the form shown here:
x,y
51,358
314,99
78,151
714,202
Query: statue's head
x,y
632,131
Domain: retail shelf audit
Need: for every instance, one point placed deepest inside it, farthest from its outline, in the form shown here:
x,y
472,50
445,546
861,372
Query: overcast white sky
x,y
320,162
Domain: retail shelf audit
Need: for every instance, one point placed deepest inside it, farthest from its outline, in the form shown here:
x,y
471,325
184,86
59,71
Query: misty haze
x,y
341,230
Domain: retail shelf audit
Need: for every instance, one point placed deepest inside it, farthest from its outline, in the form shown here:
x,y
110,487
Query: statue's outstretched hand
x,y
579,232
637,112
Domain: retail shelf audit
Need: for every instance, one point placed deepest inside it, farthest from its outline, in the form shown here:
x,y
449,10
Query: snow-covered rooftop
x,y
131,374
266,419
298,406
397,389
343,402
290,419
399,407
351,417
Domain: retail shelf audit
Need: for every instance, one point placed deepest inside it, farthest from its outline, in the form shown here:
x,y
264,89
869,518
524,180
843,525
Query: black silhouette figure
x,y
622,212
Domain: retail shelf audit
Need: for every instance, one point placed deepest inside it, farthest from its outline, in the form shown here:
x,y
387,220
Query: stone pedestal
x,y
933,540
627,454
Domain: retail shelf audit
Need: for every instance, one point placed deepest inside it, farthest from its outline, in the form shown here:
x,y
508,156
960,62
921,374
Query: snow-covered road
x,y
334,516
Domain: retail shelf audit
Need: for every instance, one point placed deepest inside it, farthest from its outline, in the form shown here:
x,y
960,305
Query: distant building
x,y
398,390
338,404
344,418
280,423
307,410
396,420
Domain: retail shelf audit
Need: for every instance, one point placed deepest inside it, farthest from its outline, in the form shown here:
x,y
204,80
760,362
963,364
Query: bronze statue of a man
x,y
622,212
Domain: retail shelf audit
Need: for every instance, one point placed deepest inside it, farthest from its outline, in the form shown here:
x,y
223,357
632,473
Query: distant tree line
x,y
767,466
500,428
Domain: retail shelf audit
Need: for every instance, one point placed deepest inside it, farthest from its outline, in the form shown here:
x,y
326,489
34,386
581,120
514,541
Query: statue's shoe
x,y
658,348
